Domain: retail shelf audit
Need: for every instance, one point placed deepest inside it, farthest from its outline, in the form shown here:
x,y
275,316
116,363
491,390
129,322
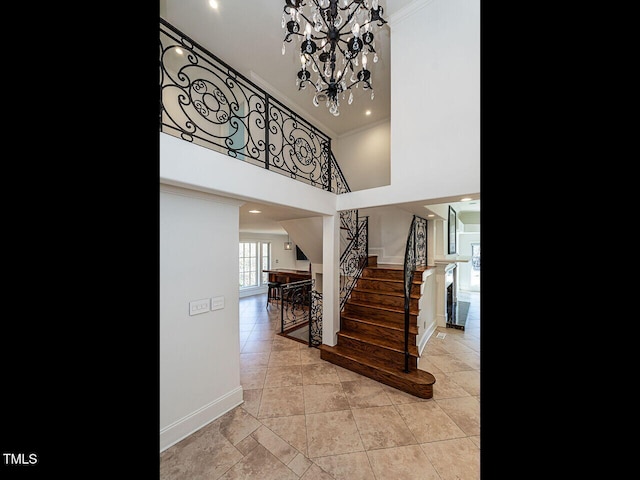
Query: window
x,y
254,257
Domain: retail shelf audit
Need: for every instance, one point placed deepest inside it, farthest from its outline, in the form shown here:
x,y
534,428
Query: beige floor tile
x,y
249,360
282,343
365,394
445,387
429,422
402,463
349,466
457,347
315,373
325,397
434,347
475,439
469,380
398,397
300,464
260,464
206,455
281,402
246,445
332,433
465,411
283,376
428,366
457,459
276,445
257,346
284,358
291,429
252,377
382,427
260,335
310,355
252,400
237,424
471,359
316,473
448,363
348,376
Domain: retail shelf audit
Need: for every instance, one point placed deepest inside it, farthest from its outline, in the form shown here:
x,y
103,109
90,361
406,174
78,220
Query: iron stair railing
x,y
415,254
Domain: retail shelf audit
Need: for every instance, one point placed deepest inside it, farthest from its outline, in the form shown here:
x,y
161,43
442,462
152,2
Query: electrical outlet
x,y
199,306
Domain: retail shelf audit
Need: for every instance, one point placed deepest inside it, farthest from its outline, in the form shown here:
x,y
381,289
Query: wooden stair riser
x,y
378,331
384,300
404,382
383,274
386,286
385,356
372,261
373,313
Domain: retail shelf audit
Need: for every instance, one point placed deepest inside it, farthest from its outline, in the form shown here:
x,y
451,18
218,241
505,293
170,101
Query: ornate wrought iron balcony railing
x,y
205,101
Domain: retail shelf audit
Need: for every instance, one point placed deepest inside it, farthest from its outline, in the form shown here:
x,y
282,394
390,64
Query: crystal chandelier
x,y
337,37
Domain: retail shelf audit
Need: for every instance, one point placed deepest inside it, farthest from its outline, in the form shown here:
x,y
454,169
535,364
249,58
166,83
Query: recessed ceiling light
x,y
255,211
368,112
465,199
431,215
179,51
213,4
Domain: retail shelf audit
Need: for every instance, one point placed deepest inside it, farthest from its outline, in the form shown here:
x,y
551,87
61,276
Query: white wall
x,y
435,107
364,156
388,231
427,320
191,166
200,354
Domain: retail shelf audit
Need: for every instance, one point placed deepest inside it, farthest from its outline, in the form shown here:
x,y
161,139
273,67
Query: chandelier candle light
x,y
344,30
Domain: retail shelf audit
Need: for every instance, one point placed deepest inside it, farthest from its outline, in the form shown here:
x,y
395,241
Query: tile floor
x,y
304,418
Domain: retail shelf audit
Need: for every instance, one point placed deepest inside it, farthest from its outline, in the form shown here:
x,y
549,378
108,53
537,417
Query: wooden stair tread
x,y
416,382
381,323
381,307
383,292
413,350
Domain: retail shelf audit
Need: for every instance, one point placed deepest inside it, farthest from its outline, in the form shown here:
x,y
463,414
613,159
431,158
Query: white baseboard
x,y
427,335
193,422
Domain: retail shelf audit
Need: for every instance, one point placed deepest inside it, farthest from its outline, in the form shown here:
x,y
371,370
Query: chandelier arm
x,y
320,70
301,12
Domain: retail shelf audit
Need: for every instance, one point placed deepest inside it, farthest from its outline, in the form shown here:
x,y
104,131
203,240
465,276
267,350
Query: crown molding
x,y
409,10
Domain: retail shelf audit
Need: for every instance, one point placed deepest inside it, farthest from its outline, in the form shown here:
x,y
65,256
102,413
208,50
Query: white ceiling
x,y
248,35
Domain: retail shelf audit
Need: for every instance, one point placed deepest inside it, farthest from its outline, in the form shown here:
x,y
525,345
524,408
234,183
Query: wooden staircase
x,y
371,336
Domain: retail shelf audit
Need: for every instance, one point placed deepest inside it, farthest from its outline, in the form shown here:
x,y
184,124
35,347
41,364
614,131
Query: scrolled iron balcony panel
x,y
206,102
296,148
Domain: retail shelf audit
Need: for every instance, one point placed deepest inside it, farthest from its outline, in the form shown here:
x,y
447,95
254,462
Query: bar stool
x,y
273,292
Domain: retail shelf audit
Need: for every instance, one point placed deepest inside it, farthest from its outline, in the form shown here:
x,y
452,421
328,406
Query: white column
x,y
441,295
330,279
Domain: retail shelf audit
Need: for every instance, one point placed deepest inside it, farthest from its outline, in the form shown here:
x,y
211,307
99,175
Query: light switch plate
x,y
217,303
199,306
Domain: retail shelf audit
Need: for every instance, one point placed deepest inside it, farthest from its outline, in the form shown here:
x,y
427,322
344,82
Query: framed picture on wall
x,y
452,230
